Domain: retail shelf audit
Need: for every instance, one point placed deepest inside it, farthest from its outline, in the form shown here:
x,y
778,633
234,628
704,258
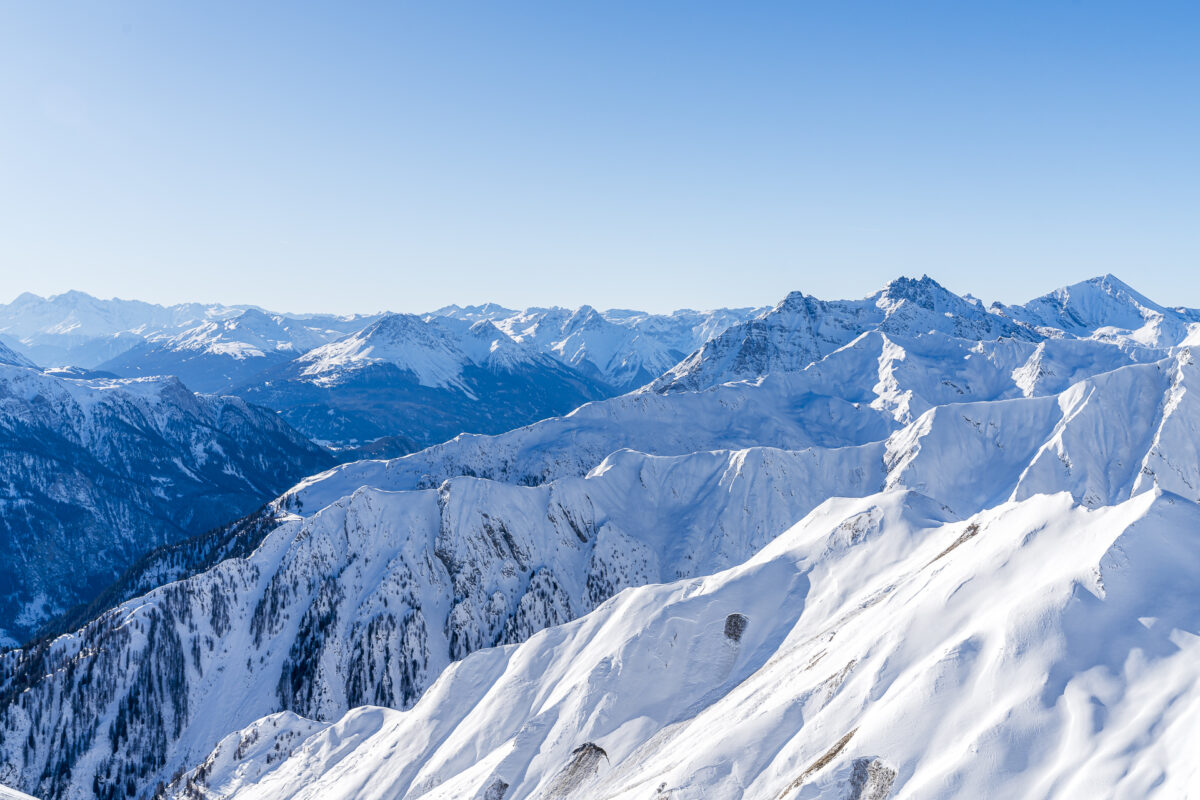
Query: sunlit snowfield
x,y
907,546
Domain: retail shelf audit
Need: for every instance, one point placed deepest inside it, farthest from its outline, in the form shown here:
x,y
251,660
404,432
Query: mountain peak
x,y
584,316
26,298
75,297
486,328
1114,287
392,325
794,301
254,315
1110,280
924,291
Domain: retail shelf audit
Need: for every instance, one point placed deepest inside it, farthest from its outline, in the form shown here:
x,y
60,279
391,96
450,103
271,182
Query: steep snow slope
x,y
419,381
218,355
880,648
368,598
95,472
1080,439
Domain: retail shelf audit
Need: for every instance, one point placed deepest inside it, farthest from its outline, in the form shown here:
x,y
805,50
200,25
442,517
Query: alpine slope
x,y
908,546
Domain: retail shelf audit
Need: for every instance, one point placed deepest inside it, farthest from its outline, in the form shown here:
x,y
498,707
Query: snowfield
x,y
903,547
881,647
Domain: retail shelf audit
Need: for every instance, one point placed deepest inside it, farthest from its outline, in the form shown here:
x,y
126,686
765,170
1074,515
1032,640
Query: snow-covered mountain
x,y
803,329
368,598
1106,308
880,648
620,348
909,546
219,355
860,393
95,472
200,343
77,329
419,381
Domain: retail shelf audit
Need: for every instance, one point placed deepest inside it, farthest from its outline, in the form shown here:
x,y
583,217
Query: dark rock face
x,y
735,626
495,790
870,779
583,766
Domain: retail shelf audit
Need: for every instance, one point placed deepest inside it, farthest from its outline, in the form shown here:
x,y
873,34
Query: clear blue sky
x,y
356,156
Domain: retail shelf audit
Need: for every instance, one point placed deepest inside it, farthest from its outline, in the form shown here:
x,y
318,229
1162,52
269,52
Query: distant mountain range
x,y
222,354
416,382
402,381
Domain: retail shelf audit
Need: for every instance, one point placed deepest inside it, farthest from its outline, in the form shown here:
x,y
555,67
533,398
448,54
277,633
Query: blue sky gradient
x,y
357,156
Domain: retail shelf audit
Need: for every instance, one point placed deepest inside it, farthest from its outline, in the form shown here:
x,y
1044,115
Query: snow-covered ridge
x,y
75,328
1006,490
859,393
9,357
369,597
802,329
435,351
623,348
413,381
251,334
1106,308
880,648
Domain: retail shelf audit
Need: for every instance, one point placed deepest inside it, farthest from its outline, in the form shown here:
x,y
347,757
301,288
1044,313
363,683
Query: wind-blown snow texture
x,y
901,547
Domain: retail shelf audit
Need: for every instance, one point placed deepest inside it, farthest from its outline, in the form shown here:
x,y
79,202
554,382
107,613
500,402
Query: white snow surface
x,y
880,645
909,546
860,393
251,334
623,348
12,794
409,581
1106,308
994,608
434,350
